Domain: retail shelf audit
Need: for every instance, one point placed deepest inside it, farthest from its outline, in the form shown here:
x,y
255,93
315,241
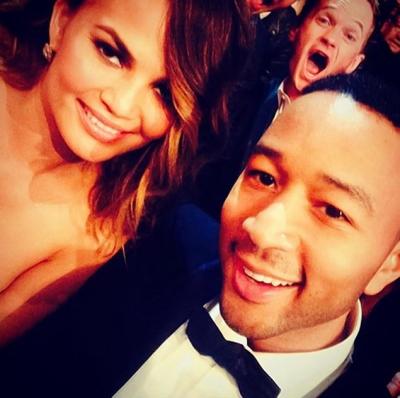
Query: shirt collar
x,y
318,368
283,98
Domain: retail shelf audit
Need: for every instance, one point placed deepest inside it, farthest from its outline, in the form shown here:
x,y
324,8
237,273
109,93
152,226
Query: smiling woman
x,y
100,103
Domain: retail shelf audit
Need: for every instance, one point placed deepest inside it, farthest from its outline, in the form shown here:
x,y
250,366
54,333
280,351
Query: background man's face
x,y
391,34
330,40
268,5
309,222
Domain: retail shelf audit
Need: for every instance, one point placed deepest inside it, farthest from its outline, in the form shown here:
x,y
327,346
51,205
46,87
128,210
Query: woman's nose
x,y
123,100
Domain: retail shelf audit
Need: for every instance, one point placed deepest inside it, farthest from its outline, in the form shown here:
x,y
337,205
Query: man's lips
x,y
259,287
266,279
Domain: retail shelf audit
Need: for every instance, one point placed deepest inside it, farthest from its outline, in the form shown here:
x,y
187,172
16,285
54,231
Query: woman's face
x,y
106,91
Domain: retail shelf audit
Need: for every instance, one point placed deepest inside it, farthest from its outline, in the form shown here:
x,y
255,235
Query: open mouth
x,y
317,62
257,288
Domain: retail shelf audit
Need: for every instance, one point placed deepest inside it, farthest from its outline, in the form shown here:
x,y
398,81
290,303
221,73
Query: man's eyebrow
x,y
356,21
356,192
359,24
264,150
128,57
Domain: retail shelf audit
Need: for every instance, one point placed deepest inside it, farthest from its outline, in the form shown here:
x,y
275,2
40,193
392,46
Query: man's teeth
x,y
97,123
266,279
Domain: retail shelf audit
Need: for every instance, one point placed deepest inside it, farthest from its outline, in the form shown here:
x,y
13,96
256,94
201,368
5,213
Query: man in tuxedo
x,y
310,225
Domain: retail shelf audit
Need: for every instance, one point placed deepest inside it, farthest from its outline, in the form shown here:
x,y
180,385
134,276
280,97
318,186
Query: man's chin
x,y
306,79
241,317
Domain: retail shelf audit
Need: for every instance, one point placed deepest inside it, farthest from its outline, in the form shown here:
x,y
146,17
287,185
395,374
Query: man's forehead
x,y
329,134
336,3
324,112
315,107
360,10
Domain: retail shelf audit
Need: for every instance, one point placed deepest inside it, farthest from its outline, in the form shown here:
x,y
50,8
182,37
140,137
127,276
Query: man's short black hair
x,y
364,89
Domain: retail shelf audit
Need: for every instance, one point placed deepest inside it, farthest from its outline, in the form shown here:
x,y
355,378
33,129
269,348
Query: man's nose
x,y
270,228
123,99
330,37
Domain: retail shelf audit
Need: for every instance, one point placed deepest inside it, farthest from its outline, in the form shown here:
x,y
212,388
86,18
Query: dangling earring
x,y
48,52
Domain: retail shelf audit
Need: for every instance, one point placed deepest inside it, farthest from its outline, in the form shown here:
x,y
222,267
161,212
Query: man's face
x,y
391,33
330,40
309,222
268,5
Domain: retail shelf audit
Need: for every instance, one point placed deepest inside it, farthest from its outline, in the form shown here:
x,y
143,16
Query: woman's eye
x,y
334,212
164,93
108,52
263,178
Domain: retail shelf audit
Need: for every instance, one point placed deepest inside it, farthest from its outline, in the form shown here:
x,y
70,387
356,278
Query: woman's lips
x,y
98,129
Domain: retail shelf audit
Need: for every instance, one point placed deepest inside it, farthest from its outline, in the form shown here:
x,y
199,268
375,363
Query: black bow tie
x,y
251,379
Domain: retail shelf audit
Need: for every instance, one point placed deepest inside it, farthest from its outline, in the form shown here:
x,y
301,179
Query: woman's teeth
x,y
100,125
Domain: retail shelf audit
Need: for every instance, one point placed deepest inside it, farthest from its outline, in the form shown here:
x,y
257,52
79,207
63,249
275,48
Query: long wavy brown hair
x,y
205,46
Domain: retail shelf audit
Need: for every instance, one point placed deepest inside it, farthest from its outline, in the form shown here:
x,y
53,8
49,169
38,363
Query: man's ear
x,y
388,272
355,63
59,19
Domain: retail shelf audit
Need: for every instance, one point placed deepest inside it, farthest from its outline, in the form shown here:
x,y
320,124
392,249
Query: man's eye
x,y
263,177
109,52
334,212
351,37
322,20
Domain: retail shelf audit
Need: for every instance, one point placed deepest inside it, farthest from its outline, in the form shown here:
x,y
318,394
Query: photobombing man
x,y
330,39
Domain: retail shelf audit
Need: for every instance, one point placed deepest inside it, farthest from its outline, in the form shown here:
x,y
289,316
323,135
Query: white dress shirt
x,y
177,370
283,100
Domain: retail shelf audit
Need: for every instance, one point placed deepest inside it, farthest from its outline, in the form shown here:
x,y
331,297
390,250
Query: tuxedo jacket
x,y
98,339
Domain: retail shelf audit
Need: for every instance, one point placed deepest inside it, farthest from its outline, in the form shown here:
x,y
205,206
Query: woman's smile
x,y
98,126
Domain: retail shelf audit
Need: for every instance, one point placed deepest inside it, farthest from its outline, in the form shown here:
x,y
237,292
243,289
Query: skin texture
x,y
337,28
89,73
311,209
